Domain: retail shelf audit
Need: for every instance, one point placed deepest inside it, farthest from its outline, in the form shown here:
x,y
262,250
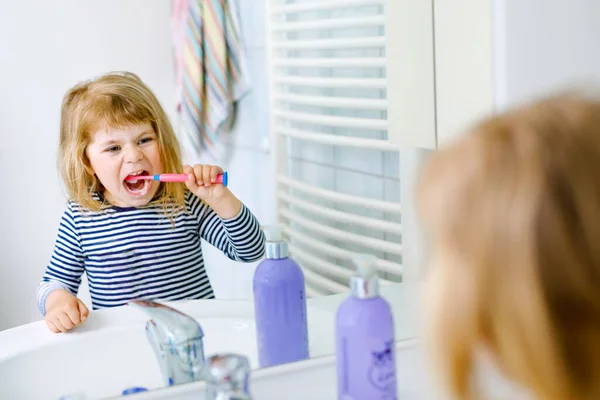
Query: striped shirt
x,y
133,253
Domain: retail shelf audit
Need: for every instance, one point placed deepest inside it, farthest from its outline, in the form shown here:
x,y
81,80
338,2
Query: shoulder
x,y
73,207
73,210
76,212
71,216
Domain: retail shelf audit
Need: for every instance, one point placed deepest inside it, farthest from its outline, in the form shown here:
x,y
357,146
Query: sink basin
x,y
110,352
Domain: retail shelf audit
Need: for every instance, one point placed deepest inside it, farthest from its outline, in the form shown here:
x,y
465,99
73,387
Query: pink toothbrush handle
x,y
221,178
171,177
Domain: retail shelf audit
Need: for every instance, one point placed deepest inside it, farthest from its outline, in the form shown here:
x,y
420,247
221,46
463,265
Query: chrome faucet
x,y
177,342
227,377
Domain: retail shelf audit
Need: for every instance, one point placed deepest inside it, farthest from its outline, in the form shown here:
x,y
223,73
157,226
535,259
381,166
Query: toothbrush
x,y
221,178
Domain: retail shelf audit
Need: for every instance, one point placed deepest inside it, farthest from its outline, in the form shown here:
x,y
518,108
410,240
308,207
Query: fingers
x,y
77,314
65,320
54,324
51,326
200,177
83,310
206,175
191,180
201,172
214,171
74,315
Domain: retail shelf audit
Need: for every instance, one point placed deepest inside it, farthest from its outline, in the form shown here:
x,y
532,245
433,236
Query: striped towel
x,y
211,70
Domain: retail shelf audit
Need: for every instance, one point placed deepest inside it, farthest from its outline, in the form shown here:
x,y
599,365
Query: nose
x,y
133,155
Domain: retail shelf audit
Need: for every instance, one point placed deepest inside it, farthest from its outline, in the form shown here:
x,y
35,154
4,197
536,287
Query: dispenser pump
x,y
365,284
276,248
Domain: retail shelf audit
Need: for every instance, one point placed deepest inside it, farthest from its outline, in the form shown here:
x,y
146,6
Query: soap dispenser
x,y
279,304
365,359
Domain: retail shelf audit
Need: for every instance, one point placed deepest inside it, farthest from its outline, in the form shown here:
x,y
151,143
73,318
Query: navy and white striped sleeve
x,y
240,237
66,264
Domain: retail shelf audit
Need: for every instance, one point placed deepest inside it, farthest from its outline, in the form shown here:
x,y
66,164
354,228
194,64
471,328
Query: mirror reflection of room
x,y
174,183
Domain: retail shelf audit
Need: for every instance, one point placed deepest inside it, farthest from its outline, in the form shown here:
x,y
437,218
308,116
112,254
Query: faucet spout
x,y
176,339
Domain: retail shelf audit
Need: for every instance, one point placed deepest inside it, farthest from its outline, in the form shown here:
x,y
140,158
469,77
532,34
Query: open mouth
x,y
137,187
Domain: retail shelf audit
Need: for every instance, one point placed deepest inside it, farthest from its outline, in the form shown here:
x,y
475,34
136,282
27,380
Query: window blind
x,y
338,190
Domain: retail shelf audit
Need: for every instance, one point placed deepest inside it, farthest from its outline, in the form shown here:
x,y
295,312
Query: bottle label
x,y
366,368
382,372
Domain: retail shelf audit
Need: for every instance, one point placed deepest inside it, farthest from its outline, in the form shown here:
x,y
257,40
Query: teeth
x,y
134,181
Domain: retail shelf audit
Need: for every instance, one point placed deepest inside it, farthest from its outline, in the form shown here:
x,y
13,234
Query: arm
x,y
240,237
66,264
224,221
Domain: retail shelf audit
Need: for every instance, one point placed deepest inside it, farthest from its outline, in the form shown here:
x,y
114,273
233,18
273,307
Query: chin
x,y
139,202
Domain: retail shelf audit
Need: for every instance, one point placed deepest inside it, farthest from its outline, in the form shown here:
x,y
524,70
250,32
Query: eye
x,y
113,149
145,140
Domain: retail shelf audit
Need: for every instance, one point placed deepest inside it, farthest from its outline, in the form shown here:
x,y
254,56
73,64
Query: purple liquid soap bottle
x,y
279,305
366,366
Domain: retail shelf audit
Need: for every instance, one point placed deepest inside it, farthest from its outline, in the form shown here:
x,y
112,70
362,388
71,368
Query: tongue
x,y
135,185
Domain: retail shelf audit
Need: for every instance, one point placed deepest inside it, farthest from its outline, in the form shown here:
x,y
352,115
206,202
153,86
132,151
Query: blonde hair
x,y
115,99
513,210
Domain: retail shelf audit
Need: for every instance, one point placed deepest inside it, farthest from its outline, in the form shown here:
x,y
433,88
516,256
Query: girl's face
x,y
115,154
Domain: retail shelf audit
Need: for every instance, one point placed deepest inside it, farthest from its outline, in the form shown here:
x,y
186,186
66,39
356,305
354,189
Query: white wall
x,y
42,54
543,46
491,54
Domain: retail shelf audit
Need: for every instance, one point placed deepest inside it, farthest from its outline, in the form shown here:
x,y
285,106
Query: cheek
x,y
155,156
103,167
95,165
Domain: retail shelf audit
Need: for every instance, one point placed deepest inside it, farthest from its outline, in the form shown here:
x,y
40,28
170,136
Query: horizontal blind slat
x,y
375,83
328,120
333,102
329,23
344,43
338,140
322,5
339,62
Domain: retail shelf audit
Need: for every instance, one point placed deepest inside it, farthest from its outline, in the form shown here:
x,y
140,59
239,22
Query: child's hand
x,y
201,180
64,311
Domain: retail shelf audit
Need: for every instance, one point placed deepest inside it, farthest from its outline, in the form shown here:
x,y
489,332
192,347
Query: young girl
x,y
513,213
134,239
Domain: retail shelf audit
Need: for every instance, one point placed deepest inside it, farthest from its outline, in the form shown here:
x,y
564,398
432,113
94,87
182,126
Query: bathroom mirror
x,y
309,149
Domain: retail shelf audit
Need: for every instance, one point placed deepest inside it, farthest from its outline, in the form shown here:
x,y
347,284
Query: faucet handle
x,y
227,377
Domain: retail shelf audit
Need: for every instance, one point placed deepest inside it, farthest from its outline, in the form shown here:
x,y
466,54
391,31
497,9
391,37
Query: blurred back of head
x,y
512,209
